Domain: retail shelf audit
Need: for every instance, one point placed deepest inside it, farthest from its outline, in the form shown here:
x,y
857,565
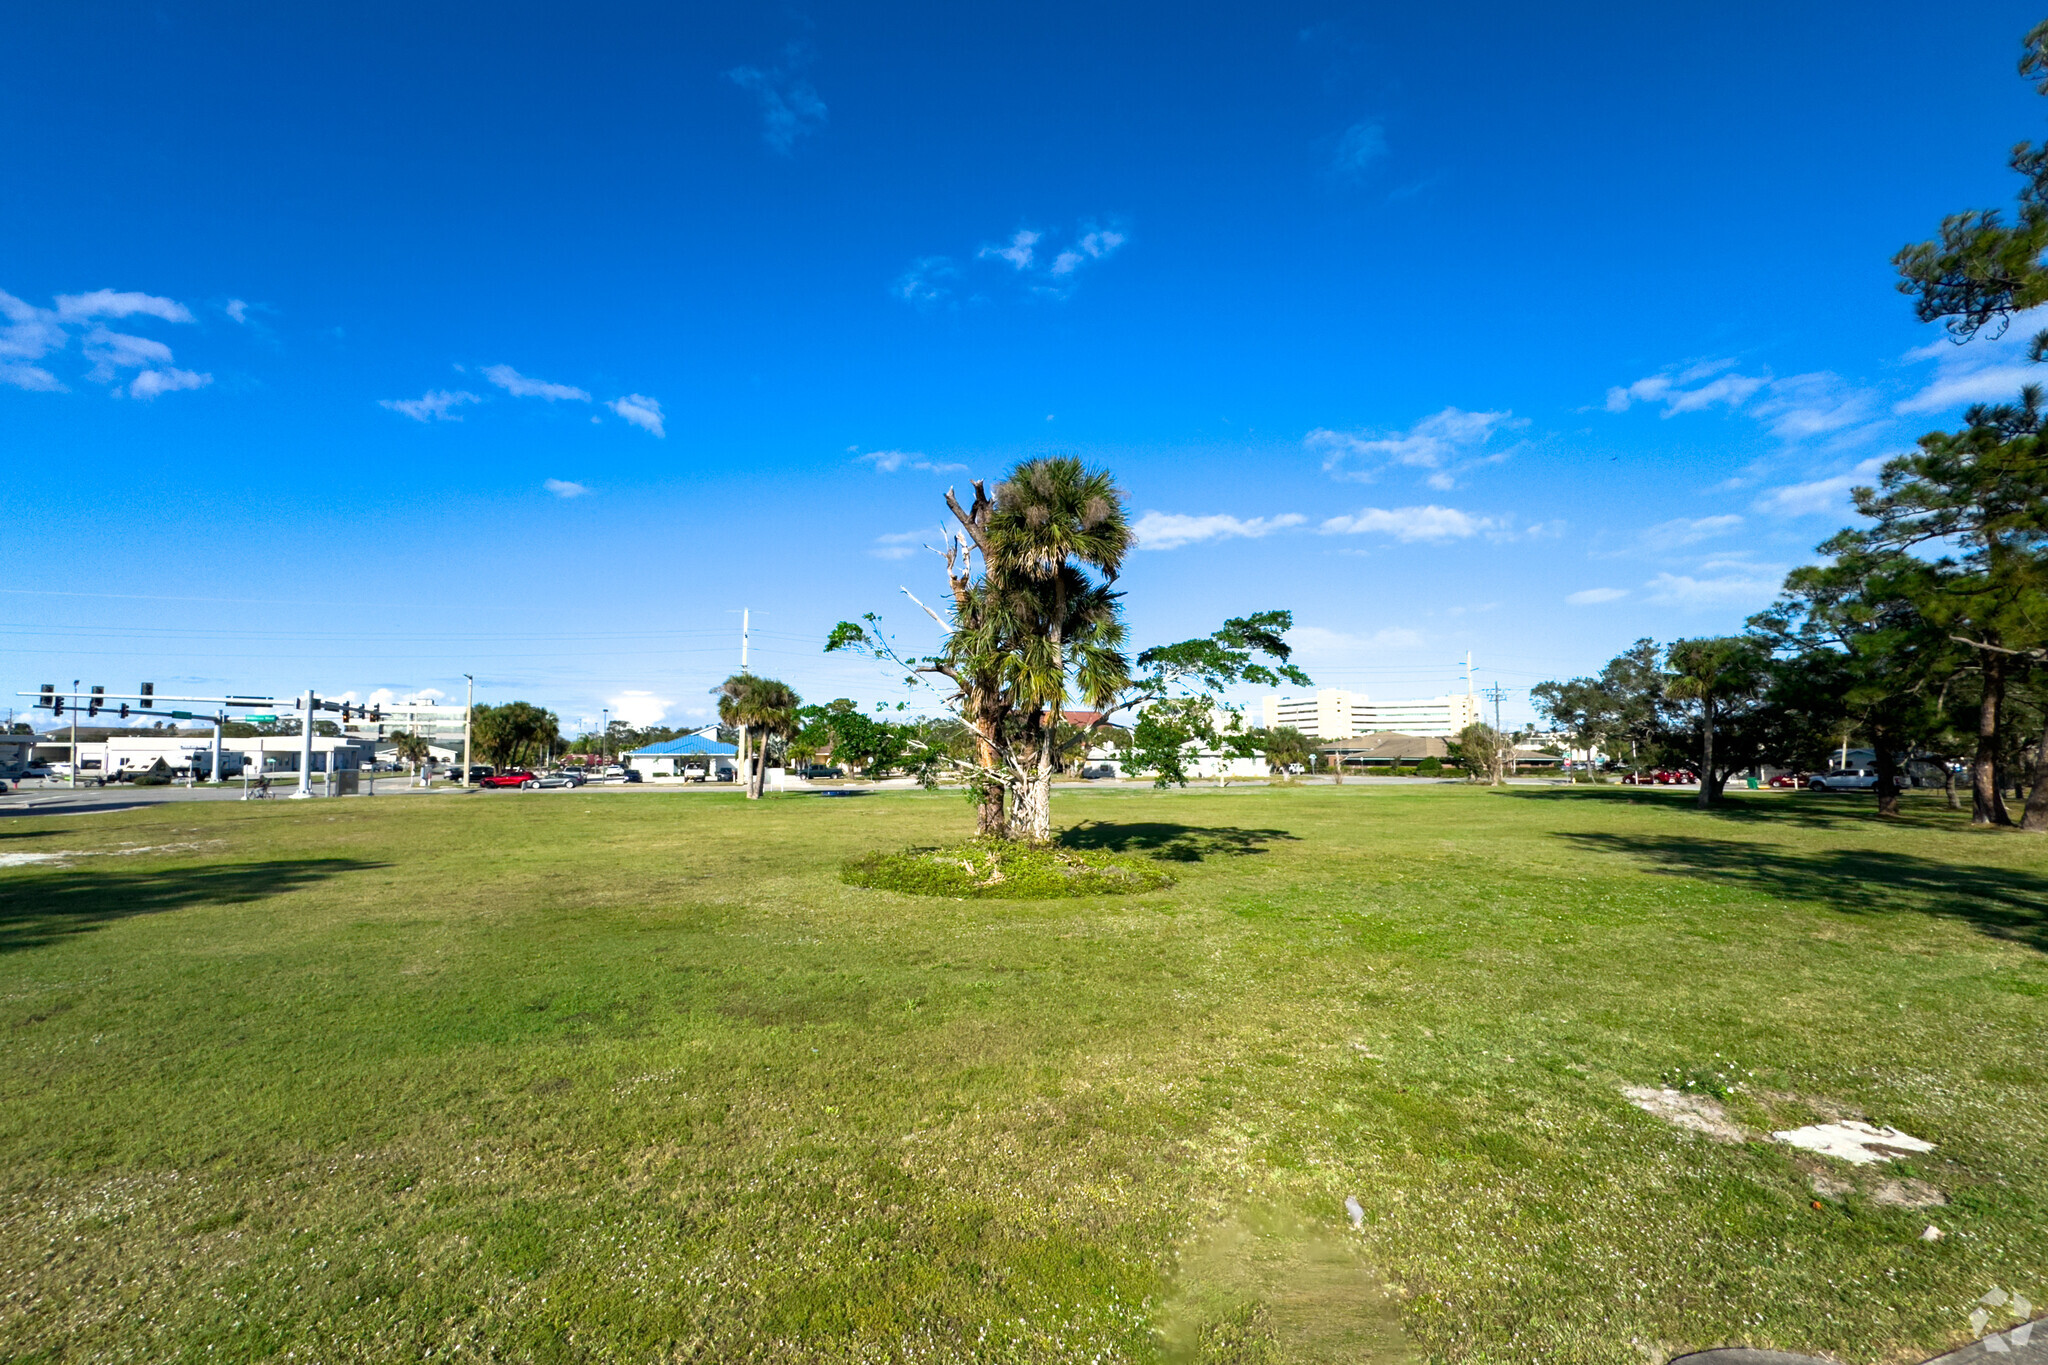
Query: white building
x,y
1333,713
431,721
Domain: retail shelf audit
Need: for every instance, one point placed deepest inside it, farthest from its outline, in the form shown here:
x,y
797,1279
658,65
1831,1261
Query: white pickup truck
x,y
1849,780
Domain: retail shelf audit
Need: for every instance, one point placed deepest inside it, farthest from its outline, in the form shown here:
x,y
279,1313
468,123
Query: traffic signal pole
x,y
305,790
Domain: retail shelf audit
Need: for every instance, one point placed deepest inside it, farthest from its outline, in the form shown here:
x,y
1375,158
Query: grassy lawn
x,y
633,1076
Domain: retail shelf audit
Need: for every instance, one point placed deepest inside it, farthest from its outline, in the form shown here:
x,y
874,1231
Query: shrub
x,y
1430,767
993,869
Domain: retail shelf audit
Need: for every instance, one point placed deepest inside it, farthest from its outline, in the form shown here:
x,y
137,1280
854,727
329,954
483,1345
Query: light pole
x,y
74,734
604,738
468,705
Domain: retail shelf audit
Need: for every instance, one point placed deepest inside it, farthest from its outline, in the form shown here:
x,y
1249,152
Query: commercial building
x,y
677,757
1334,713
431,721
181,750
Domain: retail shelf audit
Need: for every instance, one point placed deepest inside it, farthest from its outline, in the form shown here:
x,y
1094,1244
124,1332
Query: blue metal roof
x,y
688,744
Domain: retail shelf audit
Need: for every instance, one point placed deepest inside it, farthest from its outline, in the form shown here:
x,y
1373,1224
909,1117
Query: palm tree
x,y
411,749
753,704
1054,521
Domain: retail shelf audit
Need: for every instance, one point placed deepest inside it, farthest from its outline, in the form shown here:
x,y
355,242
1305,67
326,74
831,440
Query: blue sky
x,y
367,347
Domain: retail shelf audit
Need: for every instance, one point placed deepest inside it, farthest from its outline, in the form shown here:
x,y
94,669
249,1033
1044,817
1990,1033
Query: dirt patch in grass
x,y
998,870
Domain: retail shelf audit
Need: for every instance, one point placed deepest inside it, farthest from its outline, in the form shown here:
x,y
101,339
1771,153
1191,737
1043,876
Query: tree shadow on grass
x,y
1169,842
43,907
1807,810
2001,902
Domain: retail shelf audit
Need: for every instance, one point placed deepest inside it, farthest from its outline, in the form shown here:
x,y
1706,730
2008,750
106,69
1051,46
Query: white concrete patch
x,y
1854,1141
25,859
1696,1113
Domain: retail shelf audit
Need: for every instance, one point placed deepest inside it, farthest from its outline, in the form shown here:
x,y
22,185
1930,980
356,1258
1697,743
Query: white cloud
x,y
1017,251
109,351
29,333
1587,597
1171,530
641,411
927,282
436,405
889,461
150,383
1959,386
34,378
1411,524
562,488
1828,496
1670,388
790,107
1358,148
1741,584
237,309
107,303
525,386
1032,255
639,709
1437,442
1690,530
899,544
1319,645
1986,369
1804,406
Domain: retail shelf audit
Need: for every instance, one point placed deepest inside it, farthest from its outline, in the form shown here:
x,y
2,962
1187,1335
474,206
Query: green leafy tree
x,y
1983,492
1483,752
1283,745
1715,676
1039,624
517,733
1982,270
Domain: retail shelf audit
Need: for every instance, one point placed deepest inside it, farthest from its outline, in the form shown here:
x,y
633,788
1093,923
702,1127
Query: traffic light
x,y
377,714
124,710
96,701
347,712
148,696
48,697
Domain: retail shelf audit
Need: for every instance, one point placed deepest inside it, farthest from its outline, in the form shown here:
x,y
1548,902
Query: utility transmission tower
x,y
1494,694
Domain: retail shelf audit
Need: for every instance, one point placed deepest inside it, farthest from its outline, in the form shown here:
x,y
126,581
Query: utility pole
x,y
468,705
74,733
1494,694
305,788
746,620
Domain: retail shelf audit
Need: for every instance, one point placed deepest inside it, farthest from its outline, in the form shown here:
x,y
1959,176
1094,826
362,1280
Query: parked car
x,y
1788,780
511,777
1845,780
631,775
811,770
553,780
1662,777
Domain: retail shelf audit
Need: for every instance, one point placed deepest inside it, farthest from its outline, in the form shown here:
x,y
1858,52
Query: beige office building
x,y
1334,713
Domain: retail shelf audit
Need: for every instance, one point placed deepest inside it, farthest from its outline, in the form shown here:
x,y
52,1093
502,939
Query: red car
x,y
511,777
1662,777
1793,780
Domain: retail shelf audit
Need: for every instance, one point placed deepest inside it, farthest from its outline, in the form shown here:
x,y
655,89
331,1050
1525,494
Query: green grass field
x,y
634,1076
